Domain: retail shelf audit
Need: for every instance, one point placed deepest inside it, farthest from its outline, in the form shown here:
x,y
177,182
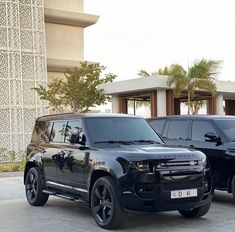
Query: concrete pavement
x,y
59,215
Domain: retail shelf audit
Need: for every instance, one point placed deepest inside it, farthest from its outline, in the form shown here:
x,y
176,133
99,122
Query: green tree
x,y
79,90
200,76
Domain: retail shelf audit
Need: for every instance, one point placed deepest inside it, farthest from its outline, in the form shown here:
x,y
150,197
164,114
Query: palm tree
x,y
200,76
195,106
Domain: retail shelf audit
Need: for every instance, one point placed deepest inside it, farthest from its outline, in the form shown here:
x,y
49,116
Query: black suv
x,y
212,134
116,163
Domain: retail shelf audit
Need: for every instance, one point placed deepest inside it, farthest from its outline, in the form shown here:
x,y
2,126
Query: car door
x,y
213,150
71,160
52,149
176,132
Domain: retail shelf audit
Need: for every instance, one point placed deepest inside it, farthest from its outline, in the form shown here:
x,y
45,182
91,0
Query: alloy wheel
x,y
31,187
102,203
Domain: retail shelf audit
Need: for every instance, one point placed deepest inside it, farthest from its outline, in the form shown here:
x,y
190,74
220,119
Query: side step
x,y
65,196
49,192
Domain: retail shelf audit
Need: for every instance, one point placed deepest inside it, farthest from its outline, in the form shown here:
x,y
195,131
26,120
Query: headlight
x,y
204,162
142,166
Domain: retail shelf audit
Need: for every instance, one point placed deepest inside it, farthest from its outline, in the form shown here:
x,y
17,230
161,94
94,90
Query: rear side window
x,y
74,128
42,131
178,129
158,125
200,128
58,131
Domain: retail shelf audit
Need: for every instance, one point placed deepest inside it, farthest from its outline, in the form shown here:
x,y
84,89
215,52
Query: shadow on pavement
x,y
224,198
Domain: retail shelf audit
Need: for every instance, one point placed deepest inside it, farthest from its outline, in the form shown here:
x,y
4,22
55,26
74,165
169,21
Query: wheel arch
x,y
33,160
229,183
96,174
30,164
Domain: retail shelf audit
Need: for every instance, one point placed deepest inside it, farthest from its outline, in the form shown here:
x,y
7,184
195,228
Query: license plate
x,y
183,193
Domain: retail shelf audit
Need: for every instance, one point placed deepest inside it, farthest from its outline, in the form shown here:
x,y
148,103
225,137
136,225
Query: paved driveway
x,y
64,216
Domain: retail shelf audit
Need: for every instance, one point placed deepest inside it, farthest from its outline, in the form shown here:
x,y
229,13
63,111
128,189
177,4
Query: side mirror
x,y
212,137
78,138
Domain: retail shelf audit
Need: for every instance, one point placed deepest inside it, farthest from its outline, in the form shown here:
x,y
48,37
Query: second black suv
x,y
116,163
211,134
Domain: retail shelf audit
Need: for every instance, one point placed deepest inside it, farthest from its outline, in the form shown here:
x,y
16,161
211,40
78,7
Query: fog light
x,y
206,186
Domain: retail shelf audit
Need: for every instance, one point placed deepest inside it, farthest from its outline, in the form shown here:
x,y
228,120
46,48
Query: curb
x,y
11,174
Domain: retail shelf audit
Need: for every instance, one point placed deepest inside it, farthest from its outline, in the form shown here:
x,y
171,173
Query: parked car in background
x,y
213,135
116,163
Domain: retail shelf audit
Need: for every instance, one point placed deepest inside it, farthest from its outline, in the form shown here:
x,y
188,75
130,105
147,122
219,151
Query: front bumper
x,y
161,201
146,193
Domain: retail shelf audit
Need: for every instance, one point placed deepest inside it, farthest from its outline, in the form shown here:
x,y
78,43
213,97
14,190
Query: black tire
x,y
34,188
196,212
233,186
105,204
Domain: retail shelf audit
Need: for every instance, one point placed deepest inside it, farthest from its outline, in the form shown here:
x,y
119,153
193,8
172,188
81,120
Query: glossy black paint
x,y
72,168
221,153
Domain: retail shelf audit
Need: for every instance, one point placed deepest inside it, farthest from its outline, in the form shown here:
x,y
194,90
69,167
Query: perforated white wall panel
x,y
22,67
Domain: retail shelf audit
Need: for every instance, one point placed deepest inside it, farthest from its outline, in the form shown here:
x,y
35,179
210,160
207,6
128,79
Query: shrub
x,y
11,161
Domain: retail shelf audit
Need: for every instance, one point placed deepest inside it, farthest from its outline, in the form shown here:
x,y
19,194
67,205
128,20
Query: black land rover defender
x,y
214,135
116,163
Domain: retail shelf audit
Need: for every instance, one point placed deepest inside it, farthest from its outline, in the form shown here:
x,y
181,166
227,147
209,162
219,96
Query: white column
x,y
115,104
161,102
219,104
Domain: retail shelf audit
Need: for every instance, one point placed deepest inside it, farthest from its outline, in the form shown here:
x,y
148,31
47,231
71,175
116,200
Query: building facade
x,y
161,100
39,40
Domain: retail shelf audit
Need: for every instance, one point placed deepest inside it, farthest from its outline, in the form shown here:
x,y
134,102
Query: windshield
x,y
228,127
121,130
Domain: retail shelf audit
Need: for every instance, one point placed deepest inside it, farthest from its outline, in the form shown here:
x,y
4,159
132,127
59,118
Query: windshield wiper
x,y
116,141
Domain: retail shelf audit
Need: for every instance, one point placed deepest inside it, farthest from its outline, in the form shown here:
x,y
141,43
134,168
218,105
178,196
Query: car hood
x,y
152,152
230,146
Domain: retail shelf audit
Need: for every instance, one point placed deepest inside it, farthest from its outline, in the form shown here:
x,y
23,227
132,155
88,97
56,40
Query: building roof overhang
x,y
69,18
227,88
62,65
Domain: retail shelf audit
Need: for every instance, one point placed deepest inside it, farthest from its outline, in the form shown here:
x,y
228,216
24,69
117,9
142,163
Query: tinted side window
x,y
178,129
200,128
74,128
42,131
58,131
158,125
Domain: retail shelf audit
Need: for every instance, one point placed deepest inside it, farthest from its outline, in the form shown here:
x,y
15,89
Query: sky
x,y
150,34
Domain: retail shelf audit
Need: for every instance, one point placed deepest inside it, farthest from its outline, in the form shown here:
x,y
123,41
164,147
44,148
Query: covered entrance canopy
x,y
155,91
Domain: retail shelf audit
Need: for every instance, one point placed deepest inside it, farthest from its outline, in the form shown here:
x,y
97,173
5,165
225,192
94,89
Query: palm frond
x,y
143,73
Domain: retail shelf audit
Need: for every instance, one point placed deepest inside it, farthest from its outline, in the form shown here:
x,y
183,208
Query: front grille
x,y
177,164
176,175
